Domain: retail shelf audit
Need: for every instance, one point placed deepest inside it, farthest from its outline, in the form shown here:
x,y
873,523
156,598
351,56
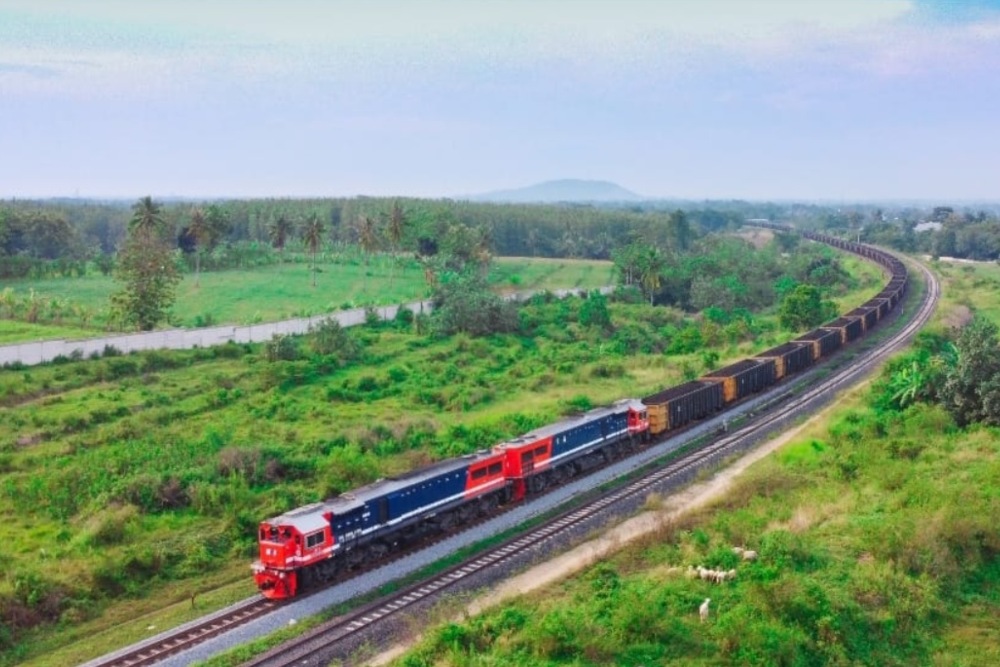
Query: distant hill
x,y
565,190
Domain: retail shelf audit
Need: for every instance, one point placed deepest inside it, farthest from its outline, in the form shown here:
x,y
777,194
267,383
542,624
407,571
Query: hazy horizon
x,y
826,101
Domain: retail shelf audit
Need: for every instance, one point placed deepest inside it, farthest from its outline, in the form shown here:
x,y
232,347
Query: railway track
x,y
188,635
327,641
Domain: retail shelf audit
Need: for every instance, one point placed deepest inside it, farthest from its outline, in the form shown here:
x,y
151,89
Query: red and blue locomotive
x,y
316,542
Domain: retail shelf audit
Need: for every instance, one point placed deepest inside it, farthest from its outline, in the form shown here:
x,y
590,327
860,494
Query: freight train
x,y
318,542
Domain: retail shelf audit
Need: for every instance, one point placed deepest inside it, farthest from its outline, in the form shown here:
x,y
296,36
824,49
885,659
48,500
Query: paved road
x,y
38,352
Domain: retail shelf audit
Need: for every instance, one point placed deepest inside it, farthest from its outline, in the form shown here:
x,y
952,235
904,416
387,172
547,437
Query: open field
x,y
282,291
877,543
968,286
131,482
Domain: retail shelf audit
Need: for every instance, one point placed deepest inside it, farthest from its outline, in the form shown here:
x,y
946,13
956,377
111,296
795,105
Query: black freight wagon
x,y
744,378
824,342
789,358
674,407
868,315
880,305
891,294
850,328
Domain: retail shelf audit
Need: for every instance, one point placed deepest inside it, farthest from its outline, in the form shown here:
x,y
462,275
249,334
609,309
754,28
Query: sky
x,y
842,100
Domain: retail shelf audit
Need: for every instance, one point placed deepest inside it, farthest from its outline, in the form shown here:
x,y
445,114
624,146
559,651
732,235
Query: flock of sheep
x,y
718,576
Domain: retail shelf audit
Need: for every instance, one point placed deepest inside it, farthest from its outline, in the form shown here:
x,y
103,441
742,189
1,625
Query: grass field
x,y
283,291
877,539
968,286
131,482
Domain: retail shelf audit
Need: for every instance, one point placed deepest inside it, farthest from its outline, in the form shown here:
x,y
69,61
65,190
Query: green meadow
x,y
877,539
280,291
131,482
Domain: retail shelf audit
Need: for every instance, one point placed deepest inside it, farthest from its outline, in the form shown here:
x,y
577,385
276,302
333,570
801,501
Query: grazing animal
x,y
749,555
703,610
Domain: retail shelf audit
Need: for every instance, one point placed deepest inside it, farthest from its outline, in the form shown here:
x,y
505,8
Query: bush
x,y
281,348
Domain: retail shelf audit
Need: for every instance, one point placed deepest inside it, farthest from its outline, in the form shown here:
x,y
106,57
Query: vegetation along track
x,y
188,635
337,638
326,639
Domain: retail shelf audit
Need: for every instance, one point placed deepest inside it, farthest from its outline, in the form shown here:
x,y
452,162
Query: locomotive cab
x,y
638,419
288,543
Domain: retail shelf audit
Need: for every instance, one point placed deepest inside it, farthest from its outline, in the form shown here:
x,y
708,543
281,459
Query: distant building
x,y
927,227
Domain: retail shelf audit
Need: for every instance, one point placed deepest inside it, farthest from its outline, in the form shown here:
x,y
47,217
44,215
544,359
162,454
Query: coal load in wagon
x,y
850,328
868,315
674,407
824,341
789,358
744,378
880,305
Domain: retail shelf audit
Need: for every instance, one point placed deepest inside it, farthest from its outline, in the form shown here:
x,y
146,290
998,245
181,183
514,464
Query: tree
x,y
594,311
200,233
651,265
146,216
971,392
146,270
279,232
367,236
394,231
804,308
312,236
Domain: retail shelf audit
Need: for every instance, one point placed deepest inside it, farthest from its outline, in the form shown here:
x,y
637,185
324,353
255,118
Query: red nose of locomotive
x,y
275,571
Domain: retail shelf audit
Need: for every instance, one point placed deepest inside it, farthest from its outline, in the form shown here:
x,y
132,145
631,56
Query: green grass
x,y
878,544
968,286
282,291
93,453
12,331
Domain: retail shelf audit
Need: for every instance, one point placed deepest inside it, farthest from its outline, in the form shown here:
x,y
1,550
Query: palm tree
x,y
279,231
312,236
651,267
146,216
397,224
200,232
367,236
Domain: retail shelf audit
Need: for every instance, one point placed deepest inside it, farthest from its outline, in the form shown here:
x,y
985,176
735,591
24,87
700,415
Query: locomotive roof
x,y
305,519
357,497
572,421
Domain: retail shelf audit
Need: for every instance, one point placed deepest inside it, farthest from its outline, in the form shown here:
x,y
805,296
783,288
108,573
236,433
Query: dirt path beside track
x,y
694,497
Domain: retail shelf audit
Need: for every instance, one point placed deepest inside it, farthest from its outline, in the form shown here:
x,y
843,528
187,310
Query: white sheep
x,y
731,574
738,551
749,555
703,610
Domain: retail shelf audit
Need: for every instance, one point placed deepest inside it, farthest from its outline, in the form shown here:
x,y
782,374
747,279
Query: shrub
x,y
281,348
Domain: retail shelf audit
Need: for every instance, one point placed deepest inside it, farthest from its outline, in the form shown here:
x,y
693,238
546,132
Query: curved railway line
x,y
322,644
334,638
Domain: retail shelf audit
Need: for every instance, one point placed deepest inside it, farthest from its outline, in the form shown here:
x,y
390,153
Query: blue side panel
x,y
426,494
588,434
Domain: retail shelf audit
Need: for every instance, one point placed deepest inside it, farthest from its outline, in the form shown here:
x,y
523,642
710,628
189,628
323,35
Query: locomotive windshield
x,y
274,534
